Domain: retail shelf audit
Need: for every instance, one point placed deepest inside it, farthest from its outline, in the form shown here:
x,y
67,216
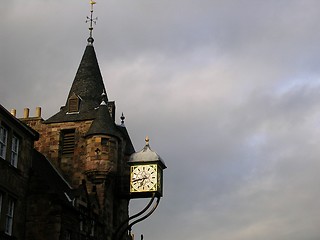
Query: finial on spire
x,y
91,20
122,119
147,141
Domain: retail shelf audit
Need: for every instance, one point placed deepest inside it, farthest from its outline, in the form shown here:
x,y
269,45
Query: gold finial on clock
x,y
147,140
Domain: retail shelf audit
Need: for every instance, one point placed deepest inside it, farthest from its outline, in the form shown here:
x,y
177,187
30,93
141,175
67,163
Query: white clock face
x,y
143,178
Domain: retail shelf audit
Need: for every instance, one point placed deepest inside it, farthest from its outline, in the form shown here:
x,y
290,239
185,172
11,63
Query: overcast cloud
x,y
227,90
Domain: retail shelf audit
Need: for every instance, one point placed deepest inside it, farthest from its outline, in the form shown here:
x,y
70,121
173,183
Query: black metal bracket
x,y
118,234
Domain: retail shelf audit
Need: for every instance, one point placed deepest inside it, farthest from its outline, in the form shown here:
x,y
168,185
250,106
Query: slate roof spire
x,y
88,82
87,85
103,124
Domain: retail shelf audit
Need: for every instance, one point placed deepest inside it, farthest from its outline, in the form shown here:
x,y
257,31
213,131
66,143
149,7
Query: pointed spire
x,y
88,81
87,85
91,20
103,123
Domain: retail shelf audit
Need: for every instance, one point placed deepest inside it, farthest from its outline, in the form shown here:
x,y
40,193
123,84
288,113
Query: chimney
x,y
38,112
13,112
26,113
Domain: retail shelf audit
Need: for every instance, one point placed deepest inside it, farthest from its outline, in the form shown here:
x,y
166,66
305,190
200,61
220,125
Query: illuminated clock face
x,y
143,178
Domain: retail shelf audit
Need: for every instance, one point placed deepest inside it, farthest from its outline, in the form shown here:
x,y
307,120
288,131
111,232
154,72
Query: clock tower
x,y
85,144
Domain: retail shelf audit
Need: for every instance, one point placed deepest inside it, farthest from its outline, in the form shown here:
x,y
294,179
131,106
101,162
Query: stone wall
x,y
99,159
49,144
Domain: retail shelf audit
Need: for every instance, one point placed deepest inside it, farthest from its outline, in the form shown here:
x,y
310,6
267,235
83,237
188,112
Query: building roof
x,y
146,155
104,124
49,176
88,86
51,181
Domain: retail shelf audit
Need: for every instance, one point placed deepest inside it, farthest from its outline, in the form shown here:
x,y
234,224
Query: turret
x,y
102,144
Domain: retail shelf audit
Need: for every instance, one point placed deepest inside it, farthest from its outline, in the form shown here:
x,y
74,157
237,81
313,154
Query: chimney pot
x,y
26,113
38,112
13,112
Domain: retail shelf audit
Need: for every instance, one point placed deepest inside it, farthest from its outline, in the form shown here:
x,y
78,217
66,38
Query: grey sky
x,y
228,92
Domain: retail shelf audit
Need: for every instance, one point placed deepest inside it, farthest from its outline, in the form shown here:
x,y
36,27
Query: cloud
x,y
226,90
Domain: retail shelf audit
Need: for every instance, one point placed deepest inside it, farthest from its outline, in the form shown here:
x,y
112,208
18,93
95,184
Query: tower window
x,y
104,144
73,104
68,141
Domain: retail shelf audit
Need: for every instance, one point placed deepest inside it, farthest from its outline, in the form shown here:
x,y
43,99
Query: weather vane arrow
x,y
91,20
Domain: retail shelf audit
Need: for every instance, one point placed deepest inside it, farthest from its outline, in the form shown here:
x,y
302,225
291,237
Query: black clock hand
x,y
139,179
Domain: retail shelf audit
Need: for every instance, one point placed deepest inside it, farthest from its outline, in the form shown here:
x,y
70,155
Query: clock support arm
x,y
145,216
129,226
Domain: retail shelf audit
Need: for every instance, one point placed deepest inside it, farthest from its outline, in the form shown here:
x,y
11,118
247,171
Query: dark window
x,y
3,141
81,224
68,235
9,145
9,217
15,150
1,197
68,141
104,144
92,228
104,141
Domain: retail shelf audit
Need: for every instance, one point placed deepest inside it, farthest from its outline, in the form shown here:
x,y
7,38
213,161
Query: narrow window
x,y
1,196
104,144
68,235
92,228
68,141
3,141
81,225
9,217
14,151
104,141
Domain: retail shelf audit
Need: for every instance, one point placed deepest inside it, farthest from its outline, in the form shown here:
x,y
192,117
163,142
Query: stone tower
x,y
85,144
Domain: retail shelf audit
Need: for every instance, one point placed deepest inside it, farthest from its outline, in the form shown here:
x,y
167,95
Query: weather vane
x,y
91,20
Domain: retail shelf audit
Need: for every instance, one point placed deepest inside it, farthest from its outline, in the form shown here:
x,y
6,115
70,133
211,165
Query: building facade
x,y
16,157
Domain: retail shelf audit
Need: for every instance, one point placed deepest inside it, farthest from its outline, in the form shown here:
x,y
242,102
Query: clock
x,y
144,178
146,173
